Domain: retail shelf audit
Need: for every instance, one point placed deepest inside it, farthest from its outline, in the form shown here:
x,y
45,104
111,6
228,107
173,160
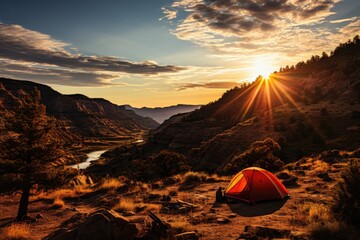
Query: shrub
x,y
329,231
164,164
260,154
347,196
193,178
110,183
16,231
124,205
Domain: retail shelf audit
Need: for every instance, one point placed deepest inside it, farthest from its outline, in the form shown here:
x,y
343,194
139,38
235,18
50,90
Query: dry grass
x,y
64,193
180,225
111,183
318,212
308,213
153,207
195,178
124,205
16,231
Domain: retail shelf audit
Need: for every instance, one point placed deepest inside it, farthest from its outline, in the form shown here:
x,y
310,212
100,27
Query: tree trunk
x,y
24,202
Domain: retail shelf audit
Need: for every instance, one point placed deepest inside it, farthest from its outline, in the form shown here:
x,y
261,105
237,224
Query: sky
x,y
164,52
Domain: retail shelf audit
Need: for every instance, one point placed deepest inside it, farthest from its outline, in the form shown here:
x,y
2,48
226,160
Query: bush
x,y
163,164
194,178
260,154
347,196
329,231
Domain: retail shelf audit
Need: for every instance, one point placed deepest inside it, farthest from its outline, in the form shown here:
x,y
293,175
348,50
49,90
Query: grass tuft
x,y
124,205
111,183
16,231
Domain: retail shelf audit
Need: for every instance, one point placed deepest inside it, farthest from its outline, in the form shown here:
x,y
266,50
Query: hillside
x,y
160,114
78,115
306,108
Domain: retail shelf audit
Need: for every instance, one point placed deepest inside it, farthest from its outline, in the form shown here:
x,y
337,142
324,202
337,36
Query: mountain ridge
x,y
86,117
160,114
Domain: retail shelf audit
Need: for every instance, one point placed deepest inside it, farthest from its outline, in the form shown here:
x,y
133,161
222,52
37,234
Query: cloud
x,y
236,31
214,84
60,76
235,17
344,20
27,46
169,14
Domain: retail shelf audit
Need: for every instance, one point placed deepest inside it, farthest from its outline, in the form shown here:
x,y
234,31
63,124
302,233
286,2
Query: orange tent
x,y
255,184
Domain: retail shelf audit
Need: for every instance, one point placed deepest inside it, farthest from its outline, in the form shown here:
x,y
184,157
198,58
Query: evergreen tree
x,y
29,150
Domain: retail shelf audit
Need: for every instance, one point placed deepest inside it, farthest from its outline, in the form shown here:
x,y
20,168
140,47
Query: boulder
x,y
100,225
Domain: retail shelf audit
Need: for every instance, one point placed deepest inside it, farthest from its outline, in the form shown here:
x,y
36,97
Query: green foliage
x,y
347,196
163,164
260,154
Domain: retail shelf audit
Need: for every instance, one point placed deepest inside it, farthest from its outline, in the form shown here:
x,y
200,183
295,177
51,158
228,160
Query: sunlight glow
x,y
263,67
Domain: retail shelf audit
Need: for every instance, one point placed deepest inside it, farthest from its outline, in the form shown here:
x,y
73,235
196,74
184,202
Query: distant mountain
x,y
81,116
307,108
160,114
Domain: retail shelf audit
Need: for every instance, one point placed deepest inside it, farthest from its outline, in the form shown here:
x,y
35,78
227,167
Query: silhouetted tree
x,y
28,150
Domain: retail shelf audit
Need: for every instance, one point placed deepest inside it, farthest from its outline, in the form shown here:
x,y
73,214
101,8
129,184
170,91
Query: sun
x,y
262,67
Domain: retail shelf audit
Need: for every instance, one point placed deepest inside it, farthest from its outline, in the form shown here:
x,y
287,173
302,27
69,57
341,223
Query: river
x,y
92,156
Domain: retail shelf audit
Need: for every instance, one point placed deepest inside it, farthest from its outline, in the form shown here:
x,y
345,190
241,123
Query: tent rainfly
x,y
254,185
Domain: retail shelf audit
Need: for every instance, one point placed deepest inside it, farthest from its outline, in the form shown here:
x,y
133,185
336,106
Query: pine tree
x,y
29,150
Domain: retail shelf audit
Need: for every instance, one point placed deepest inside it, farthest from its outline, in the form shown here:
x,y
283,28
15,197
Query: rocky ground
x,y
311,182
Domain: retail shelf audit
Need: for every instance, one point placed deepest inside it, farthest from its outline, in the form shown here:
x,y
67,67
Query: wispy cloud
x,y
344,20
169,14
213,84
26,46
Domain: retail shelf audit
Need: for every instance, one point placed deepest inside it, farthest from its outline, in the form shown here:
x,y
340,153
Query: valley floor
x,y
311,182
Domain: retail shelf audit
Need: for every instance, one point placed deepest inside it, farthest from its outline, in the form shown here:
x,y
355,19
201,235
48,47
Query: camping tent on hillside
x,y
255,184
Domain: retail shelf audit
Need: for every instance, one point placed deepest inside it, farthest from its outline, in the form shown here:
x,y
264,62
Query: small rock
x,y
223,220
187,236
169,181
232,215
325,177
300,172
140,208
291,182
283,175
128,213
39,215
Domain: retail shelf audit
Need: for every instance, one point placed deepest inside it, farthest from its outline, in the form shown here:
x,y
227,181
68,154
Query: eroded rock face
x,y
100,225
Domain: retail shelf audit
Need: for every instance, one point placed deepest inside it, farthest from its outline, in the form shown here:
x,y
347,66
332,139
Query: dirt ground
x,y
309,190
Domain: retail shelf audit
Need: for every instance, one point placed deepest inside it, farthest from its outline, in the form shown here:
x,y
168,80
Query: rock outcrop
x,y
100,225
